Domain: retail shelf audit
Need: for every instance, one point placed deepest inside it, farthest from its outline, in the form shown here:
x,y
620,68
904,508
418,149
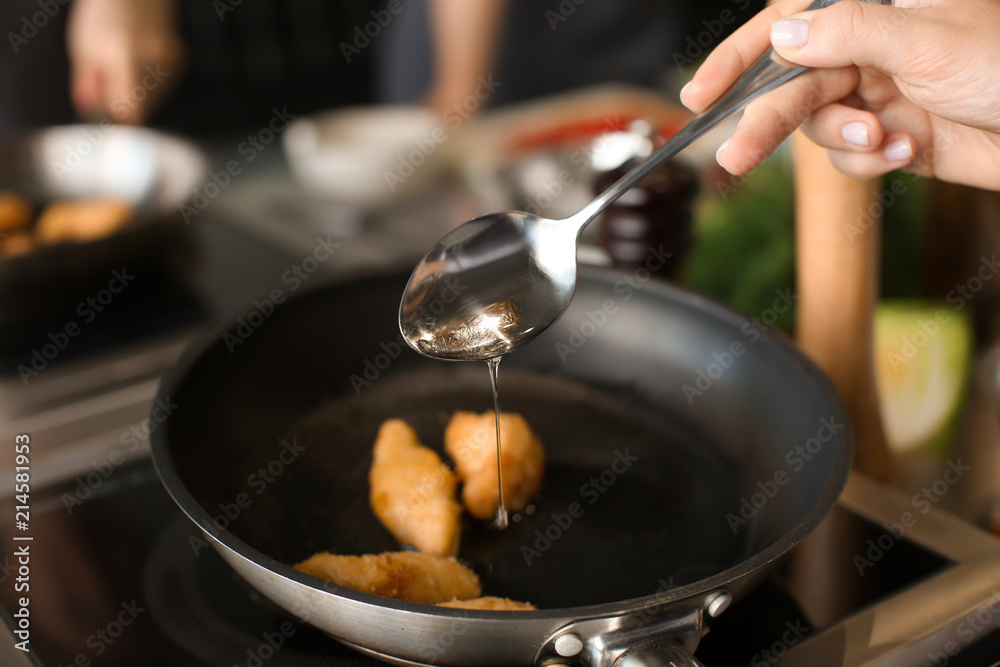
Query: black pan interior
x,y
272,437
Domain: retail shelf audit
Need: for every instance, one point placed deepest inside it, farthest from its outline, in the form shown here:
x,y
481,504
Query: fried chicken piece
x,y
489,603
412,492
470,440
82,220
18,243
403,575
15,211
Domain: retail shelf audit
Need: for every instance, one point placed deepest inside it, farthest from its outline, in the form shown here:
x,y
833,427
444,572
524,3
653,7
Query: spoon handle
x,y
763,76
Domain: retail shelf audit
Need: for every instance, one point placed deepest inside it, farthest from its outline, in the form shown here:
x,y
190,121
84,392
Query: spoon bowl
x,y
489,286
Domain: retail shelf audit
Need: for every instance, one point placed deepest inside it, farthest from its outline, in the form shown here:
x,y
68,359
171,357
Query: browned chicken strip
x,y
404,575
412,491
81,220
17,243
15,211
470,439
489,603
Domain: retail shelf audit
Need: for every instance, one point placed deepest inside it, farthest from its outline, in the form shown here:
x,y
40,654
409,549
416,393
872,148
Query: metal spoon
x,y
496,282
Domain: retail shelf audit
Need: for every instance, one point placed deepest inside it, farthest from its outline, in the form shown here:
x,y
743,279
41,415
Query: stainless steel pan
x,y
698,450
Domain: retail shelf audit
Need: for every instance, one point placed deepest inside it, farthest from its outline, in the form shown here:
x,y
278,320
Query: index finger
x,y
735,55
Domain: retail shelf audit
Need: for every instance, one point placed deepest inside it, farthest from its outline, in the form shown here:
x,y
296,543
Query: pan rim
x,y
171,480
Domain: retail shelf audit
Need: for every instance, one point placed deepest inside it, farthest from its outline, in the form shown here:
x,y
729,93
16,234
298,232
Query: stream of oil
x,y
493,364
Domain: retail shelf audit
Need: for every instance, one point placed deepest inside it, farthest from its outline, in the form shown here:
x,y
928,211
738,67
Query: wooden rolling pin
x,y
837,255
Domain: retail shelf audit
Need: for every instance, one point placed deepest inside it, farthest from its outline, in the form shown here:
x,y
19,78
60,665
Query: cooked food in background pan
x,y
470,439
81,220
412,491
16,243
69,221
15,212
403,575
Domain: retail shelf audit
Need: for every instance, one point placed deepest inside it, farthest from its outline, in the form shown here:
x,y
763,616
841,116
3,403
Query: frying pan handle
x,y
657,653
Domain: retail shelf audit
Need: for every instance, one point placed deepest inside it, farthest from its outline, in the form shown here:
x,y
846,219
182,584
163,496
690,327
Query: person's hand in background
x,y
915,87
124,57
465,36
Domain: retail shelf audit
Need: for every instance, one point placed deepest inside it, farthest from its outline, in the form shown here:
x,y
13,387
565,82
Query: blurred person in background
x,y
122,60
439,49
117,58
124,56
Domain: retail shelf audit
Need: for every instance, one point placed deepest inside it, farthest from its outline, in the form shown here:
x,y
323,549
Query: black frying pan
x,y
659,505
154,172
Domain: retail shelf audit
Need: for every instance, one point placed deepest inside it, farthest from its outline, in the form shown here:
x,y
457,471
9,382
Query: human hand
x,y
914,87
465,38
124,56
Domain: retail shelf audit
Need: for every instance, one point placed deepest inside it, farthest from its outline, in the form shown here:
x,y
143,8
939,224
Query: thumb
x,y
847,33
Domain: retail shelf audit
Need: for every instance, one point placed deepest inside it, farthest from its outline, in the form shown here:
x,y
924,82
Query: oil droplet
x,y
501,520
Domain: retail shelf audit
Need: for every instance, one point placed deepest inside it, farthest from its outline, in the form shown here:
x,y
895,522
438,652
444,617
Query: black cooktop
x,y
123,577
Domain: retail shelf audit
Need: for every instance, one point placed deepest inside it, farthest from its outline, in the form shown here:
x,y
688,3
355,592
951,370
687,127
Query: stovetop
x,y
123,578
119,577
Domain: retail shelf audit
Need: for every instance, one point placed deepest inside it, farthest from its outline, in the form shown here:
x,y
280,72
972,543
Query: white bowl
x,y
366,156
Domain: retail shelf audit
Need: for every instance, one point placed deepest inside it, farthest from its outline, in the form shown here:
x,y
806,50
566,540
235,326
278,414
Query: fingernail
x,y
725,144
855,133
898,151
790,32
684,90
